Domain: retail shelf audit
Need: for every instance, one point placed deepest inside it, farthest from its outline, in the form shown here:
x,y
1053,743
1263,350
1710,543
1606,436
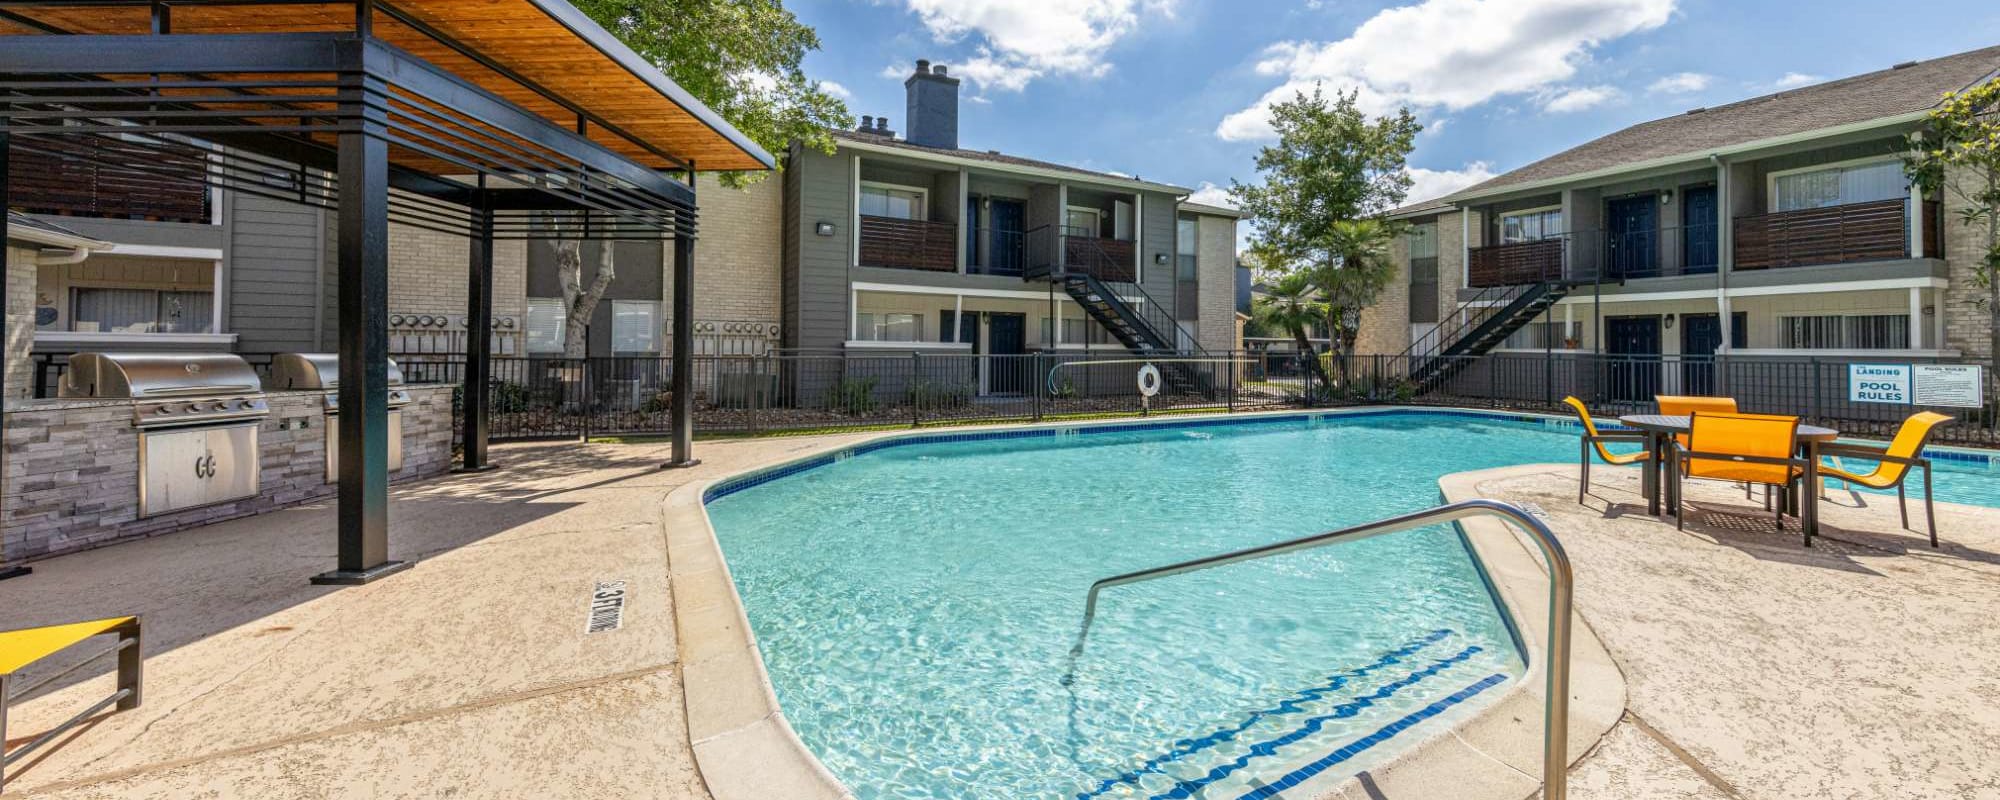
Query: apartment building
x,y
1780,225
912,243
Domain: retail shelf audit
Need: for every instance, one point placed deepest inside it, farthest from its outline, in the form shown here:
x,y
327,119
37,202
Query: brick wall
x,y
427,275
20,377
736,256
73,469
1968,323
1215,282
1385,326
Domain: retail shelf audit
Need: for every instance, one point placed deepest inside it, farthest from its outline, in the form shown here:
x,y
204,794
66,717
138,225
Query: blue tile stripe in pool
x,y
1312,725
1359,746
740,483
1291,705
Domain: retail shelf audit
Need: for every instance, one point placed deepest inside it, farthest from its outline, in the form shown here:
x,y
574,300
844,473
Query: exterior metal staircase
x,y
1477,326
1125,310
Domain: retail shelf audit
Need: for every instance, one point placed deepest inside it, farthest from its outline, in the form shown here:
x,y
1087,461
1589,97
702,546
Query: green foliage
x,y
1293,305
508,398
658,403
936,395
1065,388
851,396
742,58
1956,157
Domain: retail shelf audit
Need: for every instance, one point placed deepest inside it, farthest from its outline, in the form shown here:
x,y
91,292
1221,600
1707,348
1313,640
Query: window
x,y
1083,222
1838,332
635,326
1422,242
1187,241
545,325
1529,226
890,327
1839,186
142,311
892,201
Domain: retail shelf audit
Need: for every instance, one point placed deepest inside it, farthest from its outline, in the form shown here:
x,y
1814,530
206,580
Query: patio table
x,y
1659,427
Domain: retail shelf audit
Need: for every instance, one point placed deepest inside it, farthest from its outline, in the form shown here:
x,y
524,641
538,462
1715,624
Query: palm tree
x,y
1359,269
1293,304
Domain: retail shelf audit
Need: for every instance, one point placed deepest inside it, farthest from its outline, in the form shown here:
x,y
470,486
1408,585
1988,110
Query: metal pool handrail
x,y
1555,719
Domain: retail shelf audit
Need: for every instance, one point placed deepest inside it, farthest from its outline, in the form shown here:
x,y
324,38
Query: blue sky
x,y
1173,90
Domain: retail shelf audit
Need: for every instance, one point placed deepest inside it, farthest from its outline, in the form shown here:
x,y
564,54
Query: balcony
x,y
1516,263
1107,259
109,178
909,244
1875,231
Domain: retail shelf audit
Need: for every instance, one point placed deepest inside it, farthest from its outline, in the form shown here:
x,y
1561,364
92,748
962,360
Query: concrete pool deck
x,y
1753,668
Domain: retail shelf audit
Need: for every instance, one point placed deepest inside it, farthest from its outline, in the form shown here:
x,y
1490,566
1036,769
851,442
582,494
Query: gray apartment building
x,y
1778,226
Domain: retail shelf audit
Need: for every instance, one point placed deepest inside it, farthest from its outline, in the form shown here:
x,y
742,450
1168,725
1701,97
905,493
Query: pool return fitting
x,y
1555,718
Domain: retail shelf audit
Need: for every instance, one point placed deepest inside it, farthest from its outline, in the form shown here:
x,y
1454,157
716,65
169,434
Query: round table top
x,y
1667,423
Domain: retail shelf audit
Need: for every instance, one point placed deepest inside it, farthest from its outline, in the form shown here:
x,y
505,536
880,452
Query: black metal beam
x,y
363,246
478,341
683,355
177,54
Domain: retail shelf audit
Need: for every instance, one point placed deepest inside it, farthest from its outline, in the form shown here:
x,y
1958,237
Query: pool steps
x,y
1264,733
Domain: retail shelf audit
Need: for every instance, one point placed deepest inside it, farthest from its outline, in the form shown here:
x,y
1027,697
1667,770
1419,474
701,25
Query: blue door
x,y
1699,253
1632,226
1003,233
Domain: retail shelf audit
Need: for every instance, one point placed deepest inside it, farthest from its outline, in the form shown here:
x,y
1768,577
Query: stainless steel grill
x,y
196,415
321,372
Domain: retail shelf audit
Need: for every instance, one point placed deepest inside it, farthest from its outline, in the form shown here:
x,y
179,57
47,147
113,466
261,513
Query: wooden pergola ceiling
x,y
545,44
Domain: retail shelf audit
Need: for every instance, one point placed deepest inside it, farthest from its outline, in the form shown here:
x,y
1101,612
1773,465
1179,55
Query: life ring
x,y
1149,380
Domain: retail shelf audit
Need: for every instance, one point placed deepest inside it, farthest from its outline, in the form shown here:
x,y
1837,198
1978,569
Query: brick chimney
x,y
933,107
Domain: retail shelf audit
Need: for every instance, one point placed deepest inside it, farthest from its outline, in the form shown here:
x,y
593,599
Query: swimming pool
x,y
914,602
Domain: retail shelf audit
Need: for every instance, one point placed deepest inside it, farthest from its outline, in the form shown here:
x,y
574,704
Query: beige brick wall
x,y
736,254
20,377
1385,326
1215,281
1968,323
427,275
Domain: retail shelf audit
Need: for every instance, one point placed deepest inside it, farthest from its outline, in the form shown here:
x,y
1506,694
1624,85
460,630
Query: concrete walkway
x,y
1866,667
468,676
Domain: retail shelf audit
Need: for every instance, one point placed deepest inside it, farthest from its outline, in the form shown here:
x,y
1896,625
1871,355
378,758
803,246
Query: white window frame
x,y
1096,214
527,320
1500,222
1771,179
923,197
652,326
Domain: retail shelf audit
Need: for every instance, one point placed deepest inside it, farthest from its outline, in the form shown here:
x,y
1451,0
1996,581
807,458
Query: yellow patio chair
x,y
1593,439
20,648
1893,463
1739,448
1681,405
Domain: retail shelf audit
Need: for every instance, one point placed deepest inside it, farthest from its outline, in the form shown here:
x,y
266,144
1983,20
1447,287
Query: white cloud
x,y
1431,184
1212,195
1021,40
1680,83
1448,54
1578,98
1793,80
835,89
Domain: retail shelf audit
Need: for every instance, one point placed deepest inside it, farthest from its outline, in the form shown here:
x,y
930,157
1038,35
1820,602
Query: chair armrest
x,y
1863,451
1616,437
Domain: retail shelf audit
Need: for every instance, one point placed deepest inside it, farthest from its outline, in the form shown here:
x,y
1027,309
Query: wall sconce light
x,y
1670,321
1666,197
1930,311
823,229
1159,258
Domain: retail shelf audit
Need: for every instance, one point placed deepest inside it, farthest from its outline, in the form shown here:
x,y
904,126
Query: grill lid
x,y
143,375
315,371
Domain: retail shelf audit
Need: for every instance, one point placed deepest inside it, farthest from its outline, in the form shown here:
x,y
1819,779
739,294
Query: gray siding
x,y
818,297
273,262
791,232
1156,237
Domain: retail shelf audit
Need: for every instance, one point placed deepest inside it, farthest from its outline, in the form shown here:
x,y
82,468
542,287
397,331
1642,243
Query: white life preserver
x,y
1149,380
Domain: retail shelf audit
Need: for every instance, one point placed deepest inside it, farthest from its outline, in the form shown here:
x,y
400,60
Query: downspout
x,y
57,256
1725,260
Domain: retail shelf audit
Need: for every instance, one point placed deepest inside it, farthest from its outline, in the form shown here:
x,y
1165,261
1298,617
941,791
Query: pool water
x,y
915,605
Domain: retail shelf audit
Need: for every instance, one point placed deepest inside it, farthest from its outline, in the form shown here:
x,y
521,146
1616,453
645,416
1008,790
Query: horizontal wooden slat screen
x,y
75,177
1874,231
1516,264
909,244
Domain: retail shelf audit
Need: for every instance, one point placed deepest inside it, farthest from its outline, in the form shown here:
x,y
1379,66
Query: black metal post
x,y
683,377
478,387
6,145
363,244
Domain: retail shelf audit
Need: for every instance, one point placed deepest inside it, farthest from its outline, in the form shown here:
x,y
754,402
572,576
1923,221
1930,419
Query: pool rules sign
x,y
1951,385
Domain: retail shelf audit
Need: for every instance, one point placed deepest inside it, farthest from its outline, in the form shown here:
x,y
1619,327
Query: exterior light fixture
x,y
1159,258
1670,321
823,229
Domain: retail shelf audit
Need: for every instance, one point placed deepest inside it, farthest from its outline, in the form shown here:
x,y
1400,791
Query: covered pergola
x,y
490,119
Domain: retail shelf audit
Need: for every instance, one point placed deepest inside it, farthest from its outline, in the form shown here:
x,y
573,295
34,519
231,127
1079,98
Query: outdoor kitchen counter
x,y
72,467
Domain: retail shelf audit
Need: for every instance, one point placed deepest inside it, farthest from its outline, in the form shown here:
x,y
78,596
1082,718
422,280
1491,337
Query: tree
x,y
1957,157
1292,305
1321,191
742,58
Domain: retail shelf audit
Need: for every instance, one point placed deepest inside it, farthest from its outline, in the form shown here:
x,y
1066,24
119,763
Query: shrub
x,y
928,394
851,396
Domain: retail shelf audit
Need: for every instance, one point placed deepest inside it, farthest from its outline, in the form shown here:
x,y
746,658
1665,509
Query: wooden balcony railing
x,y
1517,263
71,177
1873,231
909,244
1107,259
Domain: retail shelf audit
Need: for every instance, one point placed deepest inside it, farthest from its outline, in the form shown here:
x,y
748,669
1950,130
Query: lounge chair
x,y
1593,439
1740,448
20,648
1893,463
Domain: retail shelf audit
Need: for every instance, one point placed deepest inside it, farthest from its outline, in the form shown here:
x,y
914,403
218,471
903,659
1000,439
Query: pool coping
x,y
747,750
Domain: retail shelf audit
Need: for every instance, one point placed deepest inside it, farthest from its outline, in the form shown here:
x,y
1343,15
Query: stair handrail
x,y
1152,315
1436,340
1555,718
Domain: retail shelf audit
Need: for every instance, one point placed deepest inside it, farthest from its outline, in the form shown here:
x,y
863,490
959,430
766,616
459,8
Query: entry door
x,y
1701,336
1004,232
1699,253
1635,378
1632,229
1006,340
